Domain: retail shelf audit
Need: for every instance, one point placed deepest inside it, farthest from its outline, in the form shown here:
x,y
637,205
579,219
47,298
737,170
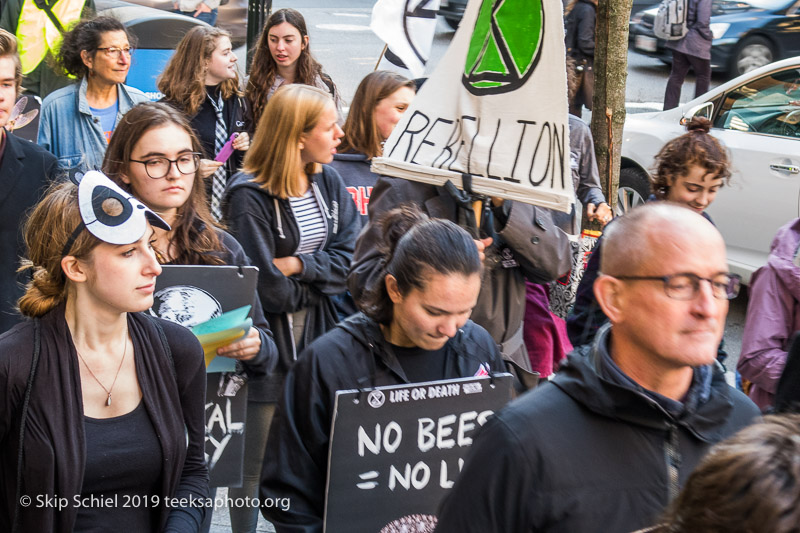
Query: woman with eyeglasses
x,y
201,81
102,405
689,171
156,158
78,121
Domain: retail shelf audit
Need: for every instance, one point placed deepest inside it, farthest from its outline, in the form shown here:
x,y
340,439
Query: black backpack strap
x,y
164,344
37,348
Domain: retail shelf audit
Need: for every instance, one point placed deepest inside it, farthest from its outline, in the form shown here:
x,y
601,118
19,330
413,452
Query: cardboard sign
x,y
395,451
190,295
495,108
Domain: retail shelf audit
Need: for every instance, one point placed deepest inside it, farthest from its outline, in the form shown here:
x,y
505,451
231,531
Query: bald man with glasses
x,y
608,443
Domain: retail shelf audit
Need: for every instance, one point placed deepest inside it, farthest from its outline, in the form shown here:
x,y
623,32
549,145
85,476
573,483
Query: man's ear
x,y
74,269
610,295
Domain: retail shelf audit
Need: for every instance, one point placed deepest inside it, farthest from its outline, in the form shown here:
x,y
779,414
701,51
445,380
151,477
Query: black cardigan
x,y
54,446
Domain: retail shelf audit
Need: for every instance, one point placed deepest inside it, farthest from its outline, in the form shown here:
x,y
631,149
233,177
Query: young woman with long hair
x,y
201,80
77,121
294,219
156,159
100,400
281,57
380,100
414,327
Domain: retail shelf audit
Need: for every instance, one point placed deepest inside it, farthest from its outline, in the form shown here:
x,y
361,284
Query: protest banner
x,y
193,294
495,108
396,451
407,27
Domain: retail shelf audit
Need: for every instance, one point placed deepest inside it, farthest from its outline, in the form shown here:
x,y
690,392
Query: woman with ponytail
x,y
99,400
414,327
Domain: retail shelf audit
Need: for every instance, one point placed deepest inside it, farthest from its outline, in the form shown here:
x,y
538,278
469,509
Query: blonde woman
x,y
295,219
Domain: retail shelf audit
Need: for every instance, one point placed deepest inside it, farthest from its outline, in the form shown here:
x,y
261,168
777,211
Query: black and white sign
x,y
397,450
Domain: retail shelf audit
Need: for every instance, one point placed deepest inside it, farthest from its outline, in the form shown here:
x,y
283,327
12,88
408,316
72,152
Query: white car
x,y
757,117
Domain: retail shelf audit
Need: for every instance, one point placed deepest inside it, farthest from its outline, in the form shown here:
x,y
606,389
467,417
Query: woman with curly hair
x,y
201,80
689,171
78,121
281,57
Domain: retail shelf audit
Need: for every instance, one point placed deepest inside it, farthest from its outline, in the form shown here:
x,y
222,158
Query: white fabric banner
x,y
408,27
495,107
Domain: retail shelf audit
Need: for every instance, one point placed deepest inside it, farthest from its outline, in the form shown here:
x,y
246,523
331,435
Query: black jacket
x,y
25,172
353,355
579,30
54,457
527,245
265,234
586,453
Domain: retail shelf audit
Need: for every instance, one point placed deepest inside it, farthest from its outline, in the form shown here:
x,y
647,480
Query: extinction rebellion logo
x,y
505,46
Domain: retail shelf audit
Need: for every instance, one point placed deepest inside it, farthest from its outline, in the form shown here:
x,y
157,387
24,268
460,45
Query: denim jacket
x,y
69,130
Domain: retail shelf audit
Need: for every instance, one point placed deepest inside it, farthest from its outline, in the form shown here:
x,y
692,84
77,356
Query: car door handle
x,y
791,169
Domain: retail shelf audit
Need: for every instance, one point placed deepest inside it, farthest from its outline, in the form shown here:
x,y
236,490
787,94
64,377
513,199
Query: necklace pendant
x,y
108,401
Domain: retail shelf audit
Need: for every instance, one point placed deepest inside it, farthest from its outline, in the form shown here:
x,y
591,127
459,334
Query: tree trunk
x,y
610,74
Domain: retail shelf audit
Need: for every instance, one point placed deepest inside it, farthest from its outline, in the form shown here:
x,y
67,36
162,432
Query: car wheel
x,y
752,53
452,22
634,188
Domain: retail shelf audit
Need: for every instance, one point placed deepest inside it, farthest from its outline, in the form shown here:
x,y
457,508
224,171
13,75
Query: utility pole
x,y
258,12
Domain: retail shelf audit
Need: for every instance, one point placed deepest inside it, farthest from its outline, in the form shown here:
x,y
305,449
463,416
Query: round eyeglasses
x,y
686,286
158,167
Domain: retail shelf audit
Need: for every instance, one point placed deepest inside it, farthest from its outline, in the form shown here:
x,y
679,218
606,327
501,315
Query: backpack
x,y
671,22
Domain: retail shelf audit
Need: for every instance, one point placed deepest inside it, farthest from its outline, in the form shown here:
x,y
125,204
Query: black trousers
x,y
680,67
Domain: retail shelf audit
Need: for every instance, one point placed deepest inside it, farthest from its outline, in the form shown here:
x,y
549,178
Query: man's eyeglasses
x,y
114,53
158,167
686,286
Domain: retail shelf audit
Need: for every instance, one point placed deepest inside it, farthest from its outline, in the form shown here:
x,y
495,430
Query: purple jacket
x,y
698,41
773,315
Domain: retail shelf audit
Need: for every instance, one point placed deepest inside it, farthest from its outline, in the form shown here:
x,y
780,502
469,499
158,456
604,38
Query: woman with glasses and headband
x,y
100,402
78,121
689,171
201,80
155,156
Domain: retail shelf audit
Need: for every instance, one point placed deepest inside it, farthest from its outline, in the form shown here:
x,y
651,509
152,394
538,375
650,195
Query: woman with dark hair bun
x,y
77,121
414,327
689,171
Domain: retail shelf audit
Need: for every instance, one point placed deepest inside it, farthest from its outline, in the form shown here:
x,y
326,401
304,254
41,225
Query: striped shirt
x,y
310,222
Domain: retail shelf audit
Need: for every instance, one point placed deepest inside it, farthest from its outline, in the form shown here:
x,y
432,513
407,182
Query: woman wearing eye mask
x,y
99,400
201,81
155,157
78,121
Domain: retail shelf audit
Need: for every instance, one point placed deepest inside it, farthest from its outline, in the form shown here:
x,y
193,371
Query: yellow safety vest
x,y
36,33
